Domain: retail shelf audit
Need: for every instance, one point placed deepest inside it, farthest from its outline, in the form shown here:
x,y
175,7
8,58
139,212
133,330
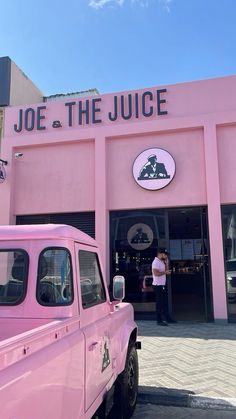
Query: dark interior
x,y
184,233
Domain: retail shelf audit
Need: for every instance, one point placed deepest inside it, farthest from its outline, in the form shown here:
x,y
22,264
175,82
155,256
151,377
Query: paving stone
x,y
198,358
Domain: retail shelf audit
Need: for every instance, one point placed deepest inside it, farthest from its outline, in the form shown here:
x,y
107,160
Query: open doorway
x,y
134,238
189,283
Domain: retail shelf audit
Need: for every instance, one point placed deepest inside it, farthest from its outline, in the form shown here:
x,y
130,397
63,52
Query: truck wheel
x,y
126,390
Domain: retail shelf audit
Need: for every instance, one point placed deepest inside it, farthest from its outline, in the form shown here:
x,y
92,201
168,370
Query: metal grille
x,y
84,221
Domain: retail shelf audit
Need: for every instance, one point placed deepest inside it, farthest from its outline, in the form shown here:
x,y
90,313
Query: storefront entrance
x,y
135,236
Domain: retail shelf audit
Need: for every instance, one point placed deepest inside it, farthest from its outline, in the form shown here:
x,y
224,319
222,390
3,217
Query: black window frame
x,y
85,307
25,282
72,279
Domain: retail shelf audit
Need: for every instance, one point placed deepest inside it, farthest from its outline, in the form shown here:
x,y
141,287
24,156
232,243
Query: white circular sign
x,y
154,169
140,236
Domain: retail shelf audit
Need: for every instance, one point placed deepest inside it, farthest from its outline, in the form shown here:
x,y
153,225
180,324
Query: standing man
x,y
159,271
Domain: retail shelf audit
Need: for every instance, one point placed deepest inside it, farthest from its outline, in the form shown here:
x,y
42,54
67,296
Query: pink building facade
x,y
136,170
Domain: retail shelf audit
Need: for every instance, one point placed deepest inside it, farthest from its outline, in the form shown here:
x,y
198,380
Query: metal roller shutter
x,y
84,221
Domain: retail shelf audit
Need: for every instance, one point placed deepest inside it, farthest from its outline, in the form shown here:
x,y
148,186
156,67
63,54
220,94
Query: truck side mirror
x,y
118,287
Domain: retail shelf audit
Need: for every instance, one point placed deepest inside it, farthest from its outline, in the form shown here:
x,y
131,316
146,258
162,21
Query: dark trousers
x,y
161,295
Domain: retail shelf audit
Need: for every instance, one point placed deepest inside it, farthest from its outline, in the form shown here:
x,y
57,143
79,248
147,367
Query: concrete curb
x,y
184,399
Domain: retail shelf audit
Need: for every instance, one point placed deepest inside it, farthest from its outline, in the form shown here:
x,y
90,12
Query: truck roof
x,y
44,231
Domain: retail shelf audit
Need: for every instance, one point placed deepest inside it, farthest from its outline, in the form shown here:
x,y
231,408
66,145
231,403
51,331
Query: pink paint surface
x,y
55,354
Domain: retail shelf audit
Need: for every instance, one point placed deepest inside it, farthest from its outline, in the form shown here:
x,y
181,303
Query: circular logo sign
x,y
140,236
154,169
2,173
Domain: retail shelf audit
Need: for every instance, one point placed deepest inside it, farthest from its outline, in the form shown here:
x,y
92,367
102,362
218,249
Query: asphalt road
x,y
150,411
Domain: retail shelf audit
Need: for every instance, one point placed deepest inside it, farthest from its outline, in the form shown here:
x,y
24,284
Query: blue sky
x,y
116,45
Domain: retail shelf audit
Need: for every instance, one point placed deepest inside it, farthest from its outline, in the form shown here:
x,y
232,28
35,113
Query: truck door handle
x,y
93,346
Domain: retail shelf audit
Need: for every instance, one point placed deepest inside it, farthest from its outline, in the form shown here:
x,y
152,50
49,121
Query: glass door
x,y
229,237
135,236
190,295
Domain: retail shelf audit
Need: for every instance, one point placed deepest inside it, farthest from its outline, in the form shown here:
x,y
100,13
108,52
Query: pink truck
x,y
66,350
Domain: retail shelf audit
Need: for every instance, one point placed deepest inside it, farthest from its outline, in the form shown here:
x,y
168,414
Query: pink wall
x,y
226,141
187,188
55,177
88,166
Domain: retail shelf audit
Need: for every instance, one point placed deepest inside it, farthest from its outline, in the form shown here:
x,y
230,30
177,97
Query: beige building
x,y
15,89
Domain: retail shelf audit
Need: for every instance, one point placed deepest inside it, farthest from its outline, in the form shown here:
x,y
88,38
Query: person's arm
x,y
156,272
143,171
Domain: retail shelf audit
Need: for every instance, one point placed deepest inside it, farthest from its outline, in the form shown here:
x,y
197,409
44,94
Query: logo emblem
x,y
154,169
2,173
105,354
140,236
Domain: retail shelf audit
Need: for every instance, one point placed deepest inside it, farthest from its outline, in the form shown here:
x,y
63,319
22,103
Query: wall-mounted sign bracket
x,y
3,162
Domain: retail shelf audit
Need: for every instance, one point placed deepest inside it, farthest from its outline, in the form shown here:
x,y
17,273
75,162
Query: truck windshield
x,y
54,284
13,276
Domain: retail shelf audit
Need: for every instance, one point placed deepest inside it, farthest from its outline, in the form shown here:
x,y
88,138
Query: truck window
x,y
91,283
13,276
54,281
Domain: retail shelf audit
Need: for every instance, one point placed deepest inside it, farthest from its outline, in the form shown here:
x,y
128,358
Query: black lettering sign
x,y
29,119
136,105
83,112
18,128
146,112
125,106
95,110
70,115
56,124
159,101
115,111
127,115
40,117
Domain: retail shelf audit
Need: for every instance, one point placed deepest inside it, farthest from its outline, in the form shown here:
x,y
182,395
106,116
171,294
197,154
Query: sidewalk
x,y
188,364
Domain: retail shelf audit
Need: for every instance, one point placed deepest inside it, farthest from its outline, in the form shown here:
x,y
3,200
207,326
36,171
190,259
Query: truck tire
x,y
126,388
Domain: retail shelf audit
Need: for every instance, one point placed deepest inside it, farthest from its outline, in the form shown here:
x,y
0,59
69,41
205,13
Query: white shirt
x,y
160,265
